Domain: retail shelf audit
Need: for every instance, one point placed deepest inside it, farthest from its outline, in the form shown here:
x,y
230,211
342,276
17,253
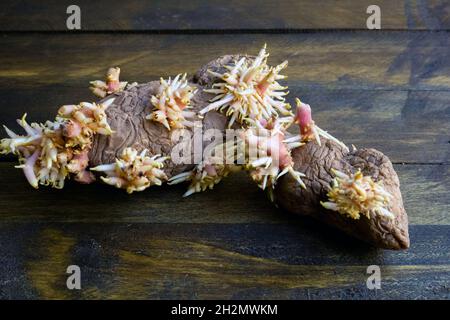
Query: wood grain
x,y
161,261
236,200
223,15
387,90
339,60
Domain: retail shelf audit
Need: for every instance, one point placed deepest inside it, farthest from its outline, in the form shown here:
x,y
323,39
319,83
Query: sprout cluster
x,y
356,194
171,103
49,152
134,171
112,84
249,90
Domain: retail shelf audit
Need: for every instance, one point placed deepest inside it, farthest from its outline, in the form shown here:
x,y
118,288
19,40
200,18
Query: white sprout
x,y
267,153
49,152
249,90
171,103
111,85
134,171
356,194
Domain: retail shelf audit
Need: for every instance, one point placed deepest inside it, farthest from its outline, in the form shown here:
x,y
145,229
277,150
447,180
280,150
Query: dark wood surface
x,y
249,15
385,89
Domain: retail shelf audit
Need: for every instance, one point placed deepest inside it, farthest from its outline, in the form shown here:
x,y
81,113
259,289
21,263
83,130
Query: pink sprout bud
x,y
304,120
71,129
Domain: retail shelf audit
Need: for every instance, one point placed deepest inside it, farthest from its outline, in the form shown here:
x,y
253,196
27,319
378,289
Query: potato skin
x,y
316,162
127,117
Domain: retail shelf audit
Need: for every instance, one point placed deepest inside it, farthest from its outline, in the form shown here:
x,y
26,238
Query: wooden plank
x,y
236,200
387,90
222,15
345,60
137,261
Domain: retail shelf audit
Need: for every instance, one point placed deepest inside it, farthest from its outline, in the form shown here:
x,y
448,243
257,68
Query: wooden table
x,y
387,89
